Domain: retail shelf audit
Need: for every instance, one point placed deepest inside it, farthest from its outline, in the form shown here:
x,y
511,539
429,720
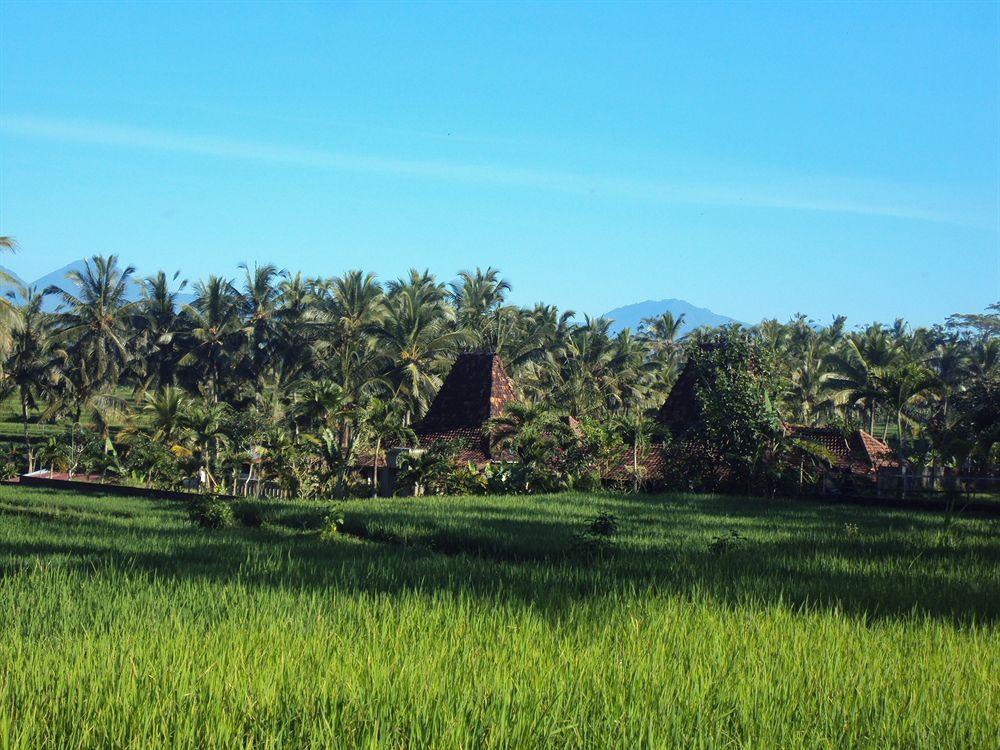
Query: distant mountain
x,y
58,278
630,316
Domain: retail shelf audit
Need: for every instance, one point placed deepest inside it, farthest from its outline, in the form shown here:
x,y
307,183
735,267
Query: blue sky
x,y
759,160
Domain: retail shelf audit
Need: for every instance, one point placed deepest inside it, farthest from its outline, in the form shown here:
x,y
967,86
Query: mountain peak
x,y
631,316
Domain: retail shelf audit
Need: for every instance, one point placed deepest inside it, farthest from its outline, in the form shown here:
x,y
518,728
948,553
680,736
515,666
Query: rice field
x,y
496,622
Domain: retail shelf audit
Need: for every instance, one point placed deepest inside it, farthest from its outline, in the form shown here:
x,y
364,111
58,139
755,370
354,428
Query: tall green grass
x,y
479,624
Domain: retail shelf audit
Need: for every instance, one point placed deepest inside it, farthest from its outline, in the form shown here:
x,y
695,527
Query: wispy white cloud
x,y
821,195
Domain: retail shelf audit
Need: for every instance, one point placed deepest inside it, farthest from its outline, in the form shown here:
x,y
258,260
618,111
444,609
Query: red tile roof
x,y
476,390
858,451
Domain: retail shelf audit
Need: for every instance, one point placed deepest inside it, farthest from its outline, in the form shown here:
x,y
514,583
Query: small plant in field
x,y
727,542
9,470
603,524
851,529
595,539
212,512
333,524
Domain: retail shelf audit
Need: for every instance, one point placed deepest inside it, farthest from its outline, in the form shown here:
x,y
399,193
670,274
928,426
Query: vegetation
x,y
297,377
482,622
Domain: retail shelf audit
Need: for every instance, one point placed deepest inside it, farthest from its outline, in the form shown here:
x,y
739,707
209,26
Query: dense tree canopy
x,y
305,374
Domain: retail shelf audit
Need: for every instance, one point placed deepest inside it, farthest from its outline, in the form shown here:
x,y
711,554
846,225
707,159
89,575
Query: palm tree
x,y
320,403
528,335
258,309
158,327
853,372
636,430
215,331
518,417
662,331
33,363
900,388
296,328
385,423
95,324
352,313
950,363
166,412
207,422
417,337
478,298
579,376
631,374
8,315
807,391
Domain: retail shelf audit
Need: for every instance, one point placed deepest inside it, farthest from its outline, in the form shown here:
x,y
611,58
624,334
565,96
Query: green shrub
x,y
603,524
212,512
726,543
333,523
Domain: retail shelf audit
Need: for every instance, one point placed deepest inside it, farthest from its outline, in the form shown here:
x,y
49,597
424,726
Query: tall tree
x,y
95,324
215,342
385,424
258,310
34,360
158,326
478,299
417,336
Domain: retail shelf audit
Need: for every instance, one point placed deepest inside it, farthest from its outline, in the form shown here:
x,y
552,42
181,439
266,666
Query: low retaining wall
x,y
100,488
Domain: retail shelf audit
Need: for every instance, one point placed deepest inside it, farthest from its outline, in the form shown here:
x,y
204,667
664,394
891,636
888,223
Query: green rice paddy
x,y
493,622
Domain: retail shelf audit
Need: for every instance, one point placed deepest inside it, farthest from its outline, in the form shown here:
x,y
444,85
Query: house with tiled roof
x,y
476,390
855,455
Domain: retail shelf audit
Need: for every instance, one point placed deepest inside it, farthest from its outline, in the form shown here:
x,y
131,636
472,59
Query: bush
x,y
603,524
9,470
439,471
732,540
212,512
333,523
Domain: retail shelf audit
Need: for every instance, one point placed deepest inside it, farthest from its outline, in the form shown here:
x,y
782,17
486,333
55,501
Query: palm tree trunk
x,y
378,447
27,438
902,450
635,463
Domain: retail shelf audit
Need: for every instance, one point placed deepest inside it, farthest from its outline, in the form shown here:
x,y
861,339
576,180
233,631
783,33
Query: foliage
x,y
320,371
731,443
727,542
438,471
211,512
603,524
153,461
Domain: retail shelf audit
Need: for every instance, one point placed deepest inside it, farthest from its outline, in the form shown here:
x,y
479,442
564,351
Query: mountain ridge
x,y
632,315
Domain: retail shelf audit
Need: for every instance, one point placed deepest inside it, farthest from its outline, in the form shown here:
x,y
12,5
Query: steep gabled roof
x,y
476,390
682,407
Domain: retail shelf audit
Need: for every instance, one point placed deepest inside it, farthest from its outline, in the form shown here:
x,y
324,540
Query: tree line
x,y
305,374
